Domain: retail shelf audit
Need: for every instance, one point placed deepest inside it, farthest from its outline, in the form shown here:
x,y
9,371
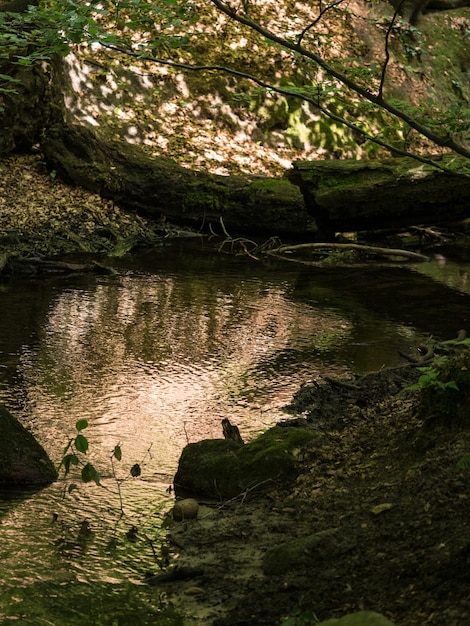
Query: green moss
x,y
280,192
202,197
277,439
224,469
341,174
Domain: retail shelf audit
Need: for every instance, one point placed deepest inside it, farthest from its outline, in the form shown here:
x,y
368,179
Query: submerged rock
x,y
223,468
23,461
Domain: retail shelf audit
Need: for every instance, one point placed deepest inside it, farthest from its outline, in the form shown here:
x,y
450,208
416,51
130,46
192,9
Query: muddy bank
x,y
377,520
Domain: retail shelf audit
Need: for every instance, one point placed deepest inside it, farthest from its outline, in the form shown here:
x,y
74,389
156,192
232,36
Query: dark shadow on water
x,y
10,497
397,294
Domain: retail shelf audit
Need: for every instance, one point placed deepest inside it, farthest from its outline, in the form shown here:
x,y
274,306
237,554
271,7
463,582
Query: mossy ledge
x,y
224,469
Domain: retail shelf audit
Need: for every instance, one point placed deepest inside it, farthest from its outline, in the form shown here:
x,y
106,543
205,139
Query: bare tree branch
x,y
387,53
323,10
412,256
286,92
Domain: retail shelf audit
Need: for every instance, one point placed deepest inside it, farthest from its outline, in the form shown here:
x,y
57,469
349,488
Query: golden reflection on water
x,y
157,362
152,362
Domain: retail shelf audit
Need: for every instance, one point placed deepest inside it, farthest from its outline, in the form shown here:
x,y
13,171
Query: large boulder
x,y
23,461
223,468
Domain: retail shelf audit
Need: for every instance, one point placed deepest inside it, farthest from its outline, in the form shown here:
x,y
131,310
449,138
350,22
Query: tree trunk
x,y
157,187
315,199
411,10
370,195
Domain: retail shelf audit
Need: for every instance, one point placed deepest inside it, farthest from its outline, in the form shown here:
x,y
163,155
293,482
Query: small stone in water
x,y
185,509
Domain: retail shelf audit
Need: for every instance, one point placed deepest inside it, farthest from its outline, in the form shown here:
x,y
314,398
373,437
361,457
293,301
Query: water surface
x,y
154,357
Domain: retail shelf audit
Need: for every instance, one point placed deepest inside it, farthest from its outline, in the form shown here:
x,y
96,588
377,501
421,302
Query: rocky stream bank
x,y
376,520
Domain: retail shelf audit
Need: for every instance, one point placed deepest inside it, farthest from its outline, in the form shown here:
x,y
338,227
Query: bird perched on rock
x,y
231,431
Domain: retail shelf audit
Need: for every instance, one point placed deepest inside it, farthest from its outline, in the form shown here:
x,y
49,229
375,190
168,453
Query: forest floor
x,y
41,216
378,520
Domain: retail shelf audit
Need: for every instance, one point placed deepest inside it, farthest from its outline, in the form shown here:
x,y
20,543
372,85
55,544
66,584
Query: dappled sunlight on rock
x,y
181,115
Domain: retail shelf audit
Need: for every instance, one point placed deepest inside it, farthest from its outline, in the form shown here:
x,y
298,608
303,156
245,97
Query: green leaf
x,y
81,424
67,461
9,78
117,453
464,462
135,470
81,443
89,473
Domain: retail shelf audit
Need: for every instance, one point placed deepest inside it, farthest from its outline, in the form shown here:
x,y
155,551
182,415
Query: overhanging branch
x,y
378,100
323,10
285,92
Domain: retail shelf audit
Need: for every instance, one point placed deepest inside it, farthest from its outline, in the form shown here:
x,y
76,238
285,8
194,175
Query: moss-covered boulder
x,y
307,552
222,468
23,461
361,618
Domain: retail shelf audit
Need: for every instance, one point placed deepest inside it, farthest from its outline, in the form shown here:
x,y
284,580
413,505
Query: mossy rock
x,y
23,461
361,618
223,469
306,552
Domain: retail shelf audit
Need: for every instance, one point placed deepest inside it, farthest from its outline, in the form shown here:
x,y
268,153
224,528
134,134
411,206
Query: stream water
x,y
154,357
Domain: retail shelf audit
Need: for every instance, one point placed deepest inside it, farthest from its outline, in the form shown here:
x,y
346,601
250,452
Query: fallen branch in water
x,y
252,249
31,266
387,252
241,245
428,352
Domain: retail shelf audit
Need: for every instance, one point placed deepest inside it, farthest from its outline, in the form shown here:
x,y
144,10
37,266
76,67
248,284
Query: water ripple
x,y
152,362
